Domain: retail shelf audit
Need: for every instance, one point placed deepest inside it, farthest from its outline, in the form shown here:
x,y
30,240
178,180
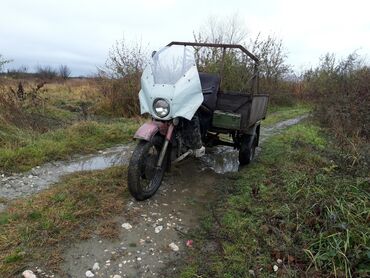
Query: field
x,y
65,120
301,209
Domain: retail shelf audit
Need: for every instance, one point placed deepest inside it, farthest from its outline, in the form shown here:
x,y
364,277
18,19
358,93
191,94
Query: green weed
x,y
295,208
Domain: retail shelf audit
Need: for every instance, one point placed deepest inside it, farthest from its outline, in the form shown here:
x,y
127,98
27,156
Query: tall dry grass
x,y
22,105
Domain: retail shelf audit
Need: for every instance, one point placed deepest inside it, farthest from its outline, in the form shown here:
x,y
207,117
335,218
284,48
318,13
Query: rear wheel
x,y
247,149
144,177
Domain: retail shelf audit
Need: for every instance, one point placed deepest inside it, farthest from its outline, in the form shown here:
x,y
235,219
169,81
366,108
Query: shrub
x,y
237,68
64,72
19,73
340,90
120,79
341,93
3,61
46,72
24,107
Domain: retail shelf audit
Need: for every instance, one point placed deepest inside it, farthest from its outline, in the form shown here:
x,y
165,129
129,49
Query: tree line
x,y
42,72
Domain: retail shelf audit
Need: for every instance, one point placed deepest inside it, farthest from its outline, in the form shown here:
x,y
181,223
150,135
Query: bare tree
x,y
230,29
272,55
64,72
237,67
3,61
46,72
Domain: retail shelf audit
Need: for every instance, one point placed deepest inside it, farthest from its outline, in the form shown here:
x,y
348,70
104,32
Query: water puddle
x,y
221,159
108,158
225,159
278,127
40,178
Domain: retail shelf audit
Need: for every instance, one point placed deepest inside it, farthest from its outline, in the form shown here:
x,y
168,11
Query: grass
x,y
298,204
277,113
52,124
38,227
21,150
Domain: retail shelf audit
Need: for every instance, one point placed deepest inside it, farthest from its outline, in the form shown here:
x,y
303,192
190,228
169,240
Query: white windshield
x,y
171,63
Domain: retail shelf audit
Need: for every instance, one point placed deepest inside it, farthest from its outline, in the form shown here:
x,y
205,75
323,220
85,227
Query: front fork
x,y
167,140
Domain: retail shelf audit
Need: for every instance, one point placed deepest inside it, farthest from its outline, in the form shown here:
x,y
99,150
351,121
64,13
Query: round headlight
x,y
161,107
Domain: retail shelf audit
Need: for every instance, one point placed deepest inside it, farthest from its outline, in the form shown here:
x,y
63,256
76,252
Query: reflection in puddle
x,y
40,178
221,159
119,156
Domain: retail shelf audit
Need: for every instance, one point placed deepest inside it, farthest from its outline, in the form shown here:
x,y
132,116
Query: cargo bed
x,y
239,111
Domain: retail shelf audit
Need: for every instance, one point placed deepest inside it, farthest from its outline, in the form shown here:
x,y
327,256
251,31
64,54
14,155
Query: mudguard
x,y
148,130
254,131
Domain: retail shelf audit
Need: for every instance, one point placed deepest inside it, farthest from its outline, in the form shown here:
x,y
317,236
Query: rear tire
x,y
144,178
247,149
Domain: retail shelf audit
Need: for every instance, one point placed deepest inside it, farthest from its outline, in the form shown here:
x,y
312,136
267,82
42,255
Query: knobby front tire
x,y
144,178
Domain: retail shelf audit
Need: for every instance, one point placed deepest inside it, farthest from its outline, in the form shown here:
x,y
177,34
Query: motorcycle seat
x,y
210,85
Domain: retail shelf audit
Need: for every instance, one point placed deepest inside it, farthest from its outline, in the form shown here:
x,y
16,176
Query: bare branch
x,y
64,72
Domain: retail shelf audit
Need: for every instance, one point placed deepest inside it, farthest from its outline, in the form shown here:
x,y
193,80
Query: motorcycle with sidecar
x,y
173,92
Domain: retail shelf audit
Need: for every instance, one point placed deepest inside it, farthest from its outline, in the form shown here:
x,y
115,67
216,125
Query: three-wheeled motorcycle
x,y
173,92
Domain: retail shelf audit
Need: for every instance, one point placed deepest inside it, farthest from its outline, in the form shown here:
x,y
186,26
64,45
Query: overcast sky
x,y
80,33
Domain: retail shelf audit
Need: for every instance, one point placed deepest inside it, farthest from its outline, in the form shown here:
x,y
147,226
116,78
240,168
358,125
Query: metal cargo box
x,y
250,108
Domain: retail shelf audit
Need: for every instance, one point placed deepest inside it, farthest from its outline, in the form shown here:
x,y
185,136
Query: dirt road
x,y
159,225
152,232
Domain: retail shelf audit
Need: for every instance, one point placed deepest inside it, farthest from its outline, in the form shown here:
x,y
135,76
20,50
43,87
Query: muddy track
x,y
42,177
152,232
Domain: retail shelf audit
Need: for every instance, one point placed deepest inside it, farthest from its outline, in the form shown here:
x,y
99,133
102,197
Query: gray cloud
x,y
80,33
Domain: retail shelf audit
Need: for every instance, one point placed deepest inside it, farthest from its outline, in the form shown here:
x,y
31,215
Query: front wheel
x,y
144,177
